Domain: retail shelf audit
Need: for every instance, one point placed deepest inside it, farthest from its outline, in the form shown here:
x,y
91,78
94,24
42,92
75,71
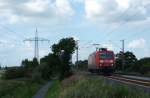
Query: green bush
x,y
145,69
36,76
41,72
144,65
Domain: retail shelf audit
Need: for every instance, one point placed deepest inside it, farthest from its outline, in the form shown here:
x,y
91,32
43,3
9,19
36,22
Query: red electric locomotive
x,y
101,61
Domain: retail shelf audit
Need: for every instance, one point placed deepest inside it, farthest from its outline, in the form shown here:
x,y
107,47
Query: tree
x,y
25,63
51,64
118,61
35,62
67,45
143,65
130,61
29,66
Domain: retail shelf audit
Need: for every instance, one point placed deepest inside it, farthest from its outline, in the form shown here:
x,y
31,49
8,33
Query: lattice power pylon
x,y
36,41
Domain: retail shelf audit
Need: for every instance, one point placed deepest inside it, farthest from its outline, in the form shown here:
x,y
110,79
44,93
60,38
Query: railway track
x,y
131,81
138,82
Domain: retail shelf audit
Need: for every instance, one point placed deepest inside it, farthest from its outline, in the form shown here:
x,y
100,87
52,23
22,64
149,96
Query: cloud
x,y
37,5
14,11
93,8
117,10
28,47
6,44
63,7
137,44
123,4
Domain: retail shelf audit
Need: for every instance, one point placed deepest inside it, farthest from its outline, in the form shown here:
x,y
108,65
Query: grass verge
x,y
54,90
85,87
18,88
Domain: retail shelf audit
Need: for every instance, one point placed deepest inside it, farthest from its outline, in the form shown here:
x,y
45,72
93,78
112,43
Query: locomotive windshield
x,y
106,56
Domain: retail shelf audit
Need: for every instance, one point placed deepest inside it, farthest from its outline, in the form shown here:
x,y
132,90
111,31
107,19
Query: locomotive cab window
x,y
106,56
103,56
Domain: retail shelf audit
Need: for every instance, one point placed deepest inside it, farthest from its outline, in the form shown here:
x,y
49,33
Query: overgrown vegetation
x,y
54,65
84,87
18,88
132,64
13,72
54,90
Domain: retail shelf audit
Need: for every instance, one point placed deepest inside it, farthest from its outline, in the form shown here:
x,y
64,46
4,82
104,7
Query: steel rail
x,y
133,81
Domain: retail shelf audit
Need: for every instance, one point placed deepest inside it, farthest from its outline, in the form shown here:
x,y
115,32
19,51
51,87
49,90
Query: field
x,y
18,88
86,87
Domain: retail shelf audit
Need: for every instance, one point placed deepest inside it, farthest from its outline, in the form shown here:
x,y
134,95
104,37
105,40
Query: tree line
x,y
55,65
131,63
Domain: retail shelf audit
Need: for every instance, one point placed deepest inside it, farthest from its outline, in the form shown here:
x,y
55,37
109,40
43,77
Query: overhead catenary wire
x,y
121,24
11,31
7,39
8,34
137,33
115,44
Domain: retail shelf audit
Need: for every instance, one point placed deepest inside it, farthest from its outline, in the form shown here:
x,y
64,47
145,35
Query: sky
x,y
103,22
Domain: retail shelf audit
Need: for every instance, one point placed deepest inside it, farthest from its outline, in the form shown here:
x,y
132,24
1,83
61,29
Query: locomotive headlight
x,y
101,61
111,61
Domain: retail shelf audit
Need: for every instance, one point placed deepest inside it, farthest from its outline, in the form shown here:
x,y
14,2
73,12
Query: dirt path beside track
x,y
42,91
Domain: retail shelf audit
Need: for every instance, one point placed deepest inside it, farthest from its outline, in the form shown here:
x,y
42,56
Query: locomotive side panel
x,y
92,61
